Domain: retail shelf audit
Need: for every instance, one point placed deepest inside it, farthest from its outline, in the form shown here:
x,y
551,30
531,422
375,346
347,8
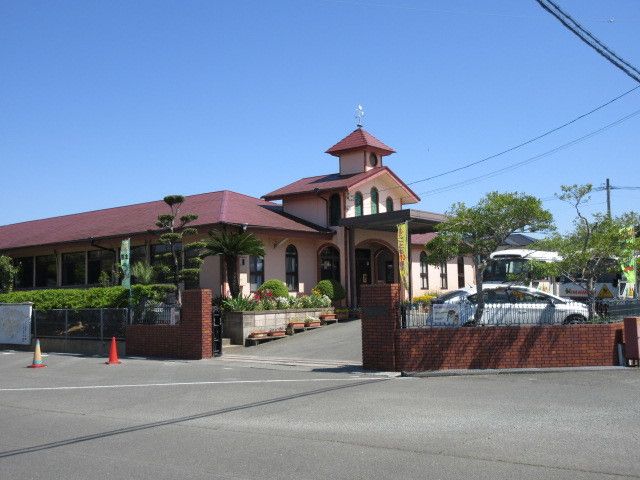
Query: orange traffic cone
x,y
37,357
113,353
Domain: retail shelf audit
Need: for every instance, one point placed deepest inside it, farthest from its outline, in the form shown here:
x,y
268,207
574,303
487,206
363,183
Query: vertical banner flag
x,y
628,263
403,254
125,249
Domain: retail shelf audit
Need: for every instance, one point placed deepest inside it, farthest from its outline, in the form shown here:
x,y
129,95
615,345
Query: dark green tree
x,y
173,229
229,246
478,231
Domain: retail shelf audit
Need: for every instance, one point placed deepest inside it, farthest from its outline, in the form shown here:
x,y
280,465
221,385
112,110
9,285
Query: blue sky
x,y
111,103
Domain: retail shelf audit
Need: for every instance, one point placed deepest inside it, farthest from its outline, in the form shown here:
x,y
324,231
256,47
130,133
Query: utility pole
x,y
608,188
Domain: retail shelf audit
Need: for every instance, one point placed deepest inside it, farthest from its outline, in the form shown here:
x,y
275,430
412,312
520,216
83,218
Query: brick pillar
x,y
380,317
632,338
195,324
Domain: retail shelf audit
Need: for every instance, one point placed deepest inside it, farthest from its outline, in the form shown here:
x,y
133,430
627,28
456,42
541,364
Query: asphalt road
x,y
150,419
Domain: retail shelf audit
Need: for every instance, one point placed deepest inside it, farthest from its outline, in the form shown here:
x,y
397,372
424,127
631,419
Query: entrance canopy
x,y
419,221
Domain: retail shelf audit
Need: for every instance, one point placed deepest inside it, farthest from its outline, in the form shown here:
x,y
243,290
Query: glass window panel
x,y
256,272
291,268
46,271
99,261
330,264
24,277
374,200
73,268
334,209
358,204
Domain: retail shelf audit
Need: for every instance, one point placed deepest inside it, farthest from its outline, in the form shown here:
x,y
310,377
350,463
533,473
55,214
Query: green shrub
x,y
109,297
425,299
277,288
331,288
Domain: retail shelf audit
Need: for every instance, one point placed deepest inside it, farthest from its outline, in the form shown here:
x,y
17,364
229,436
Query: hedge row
x,y
107,297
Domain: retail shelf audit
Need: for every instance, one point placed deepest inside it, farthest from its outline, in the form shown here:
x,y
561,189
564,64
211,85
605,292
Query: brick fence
x,y
387,347
191,339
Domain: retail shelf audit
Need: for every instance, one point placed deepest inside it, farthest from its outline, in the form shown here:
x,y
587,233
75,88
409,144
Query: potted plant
x,y
258,334
312,322
277,332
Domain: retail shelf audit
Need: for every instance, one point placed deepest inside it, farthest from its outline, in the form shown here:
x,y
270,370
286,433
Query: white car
x,y
506,305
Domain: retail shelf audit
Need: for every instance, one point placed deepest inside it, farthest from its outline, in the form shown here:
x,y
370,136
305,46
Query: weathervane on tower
x,y
359,116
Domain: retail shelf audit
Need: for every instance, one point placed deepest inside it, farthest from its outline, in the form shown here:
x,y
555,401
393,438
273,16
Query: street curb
x,y
506,371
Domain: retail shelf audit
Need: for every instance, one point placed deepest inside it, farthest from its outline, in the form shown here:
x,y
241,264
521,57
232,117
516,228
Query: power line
x,y
591,40
530,159
520,145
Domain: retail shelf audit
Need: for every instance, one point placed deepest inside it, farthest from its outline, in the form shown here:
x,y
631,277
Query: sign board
x,y
403,254
125,252
15,323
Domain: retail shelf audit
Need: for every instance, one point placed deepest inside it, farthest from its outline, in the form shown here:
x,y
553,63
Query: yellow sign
x,y
605,293
403,254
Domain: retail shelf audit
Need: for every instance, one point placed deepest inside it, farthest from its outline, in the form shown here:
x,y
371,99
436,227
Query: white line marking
x,y
220,382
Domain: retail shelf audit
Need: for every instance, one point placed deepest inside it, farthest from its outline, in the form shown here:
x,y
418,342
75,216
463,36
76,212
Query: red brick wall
x,y
507,347
380,310
189,340
387,347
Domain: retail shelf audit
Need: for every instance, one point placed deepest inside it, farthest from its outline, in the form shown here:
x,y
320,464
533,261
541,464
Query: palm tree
x,y
231,245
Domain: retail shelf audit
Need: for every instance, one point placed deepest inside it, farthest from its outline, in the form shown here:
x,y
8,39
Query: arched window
x,y
334,209
424,271
358,204
389,204
330,264
291,268
374,200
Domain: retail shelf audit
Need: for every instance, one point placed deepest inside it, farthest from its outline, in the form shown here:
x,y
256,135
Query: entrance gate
x,y
216,331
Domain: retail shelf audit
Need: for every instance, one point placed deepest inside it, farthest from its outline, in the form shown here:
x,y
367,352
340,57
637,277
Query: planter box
x,y
238,325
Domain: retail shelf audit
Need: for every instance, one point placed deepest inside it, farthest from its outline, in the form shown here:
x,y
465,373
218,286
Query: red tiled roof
x,y
358,139
332,181
212,208
422,238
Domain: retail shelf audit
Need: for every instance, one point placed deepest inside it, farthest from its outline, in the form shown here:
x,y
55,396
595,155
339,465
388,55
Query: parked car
x,y
506,305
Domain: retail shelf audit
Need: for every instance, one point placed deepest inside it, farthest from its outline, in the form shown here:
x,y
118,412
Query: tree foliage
x,y
479,230
595,245
8,272
173,228
229,246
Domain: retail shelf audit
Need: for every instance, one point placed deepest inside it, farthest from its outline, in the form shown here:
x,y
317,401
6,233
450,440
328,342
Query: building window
x,y
373,160
138,254
444,283
389,204
256,272
374,200
291,268
334,209
24,277
330,264
358,204
73,268
461,281
424,271
99,261
46,271
192,261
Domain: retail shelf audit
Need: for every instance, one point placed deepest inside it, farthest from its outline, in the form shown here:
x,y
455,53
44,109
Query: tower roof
x,y
360,139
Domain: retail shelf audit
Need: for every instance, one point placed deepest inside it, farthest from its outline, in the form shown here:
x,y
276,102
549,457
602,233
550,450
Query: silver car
x,y
506,305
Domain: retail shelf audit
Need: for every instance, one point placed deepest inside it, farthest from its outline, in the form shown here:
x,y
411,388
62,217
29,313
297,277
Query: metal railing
x,y
462,314
83,324
99,323
155,315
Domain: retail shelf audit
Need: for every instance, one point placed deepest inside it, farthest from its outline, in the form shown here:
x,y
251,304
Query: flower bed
x,y
239,325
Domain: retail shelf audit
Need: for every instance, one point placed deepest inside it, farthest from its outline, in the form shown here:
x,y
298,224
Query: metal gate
x,y
216,331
